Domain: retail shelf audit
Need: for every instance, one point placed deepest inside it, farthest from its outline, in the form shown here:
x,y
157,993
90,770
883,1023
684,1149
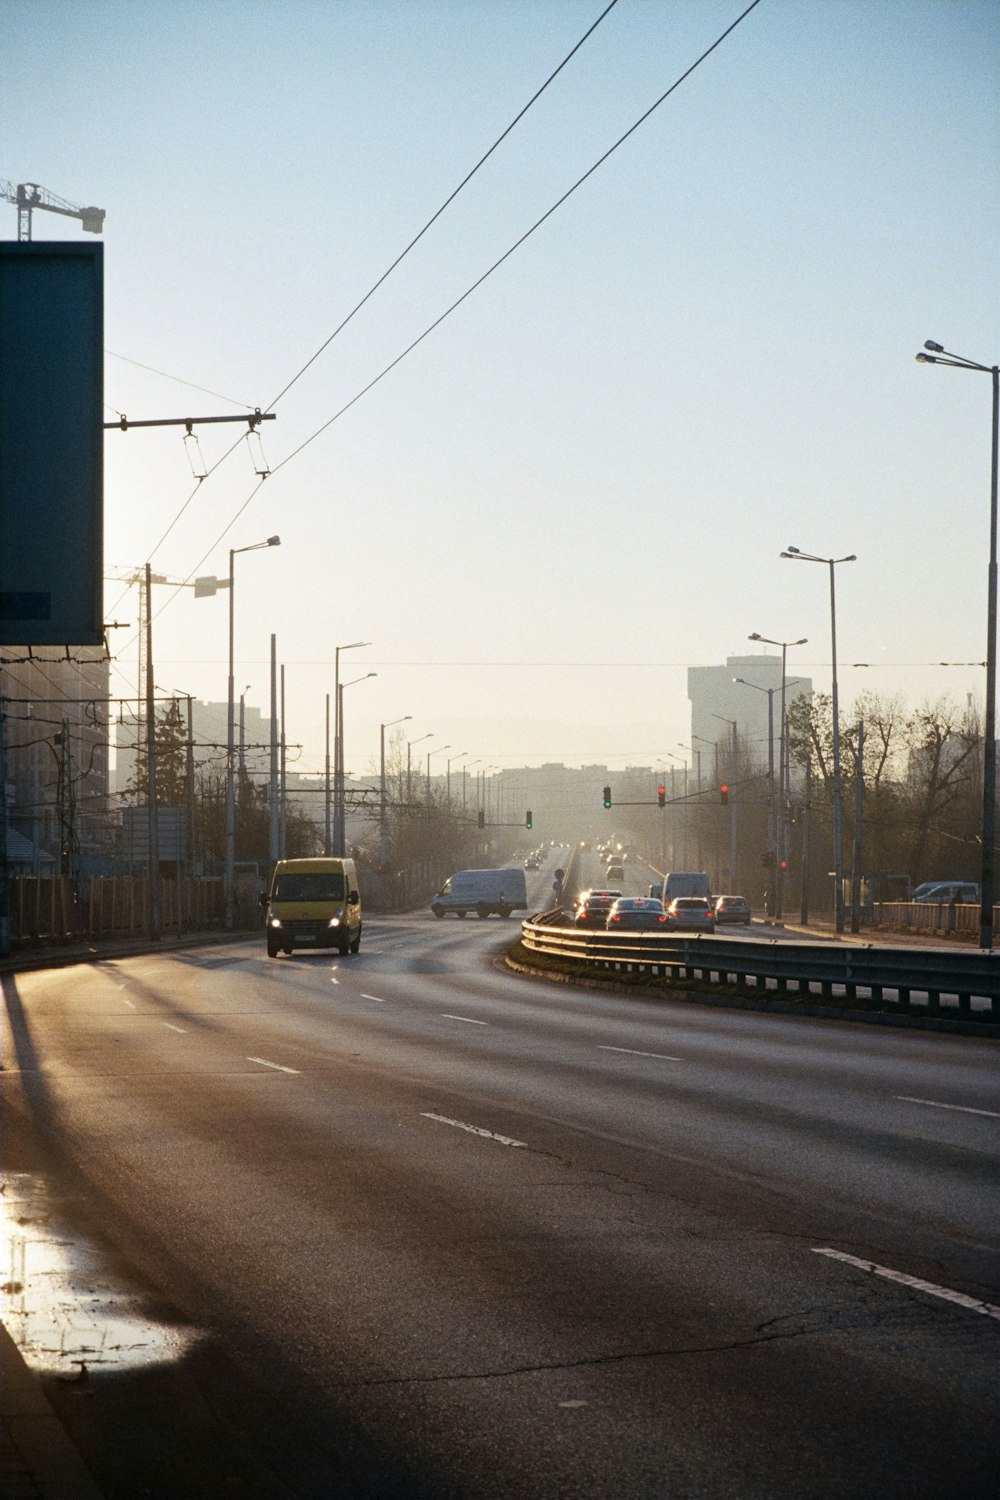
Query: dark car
x,y
732,909
593,906
637,914
691,914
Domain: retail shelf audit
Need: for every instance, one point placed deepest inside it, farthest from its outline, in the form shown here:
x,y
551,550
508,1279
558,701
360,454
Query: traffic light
x,y
527,818
784,864
767,859
661,795
607,796
724,794
482,818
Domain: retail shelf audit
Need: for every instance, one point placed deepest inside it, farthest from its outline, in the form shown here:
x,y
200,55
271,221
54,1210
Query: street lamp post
x,y
732,800
342,842
770,752
448,763
382,729
796,555
989,825
338,757
409,778
466,768
781,811
782,768
230,875
429,754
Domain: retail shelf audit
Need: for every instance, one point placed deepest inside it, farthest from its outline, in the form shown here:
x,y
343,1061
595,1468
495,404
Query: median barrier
x,y
960,982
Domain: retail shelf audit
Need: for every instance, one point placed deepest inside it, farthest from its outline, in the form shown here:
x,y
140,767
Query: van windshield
x,y
303,887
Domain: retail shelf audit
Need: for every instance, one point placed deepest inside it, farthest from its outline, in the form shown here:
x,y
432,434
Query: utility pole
x,y
859,797
155,920
274,832
804,881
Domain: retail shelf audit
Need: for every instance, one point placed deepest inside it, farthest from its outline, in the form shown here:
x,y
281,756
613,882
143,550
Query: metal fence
x,y
963,982
943,919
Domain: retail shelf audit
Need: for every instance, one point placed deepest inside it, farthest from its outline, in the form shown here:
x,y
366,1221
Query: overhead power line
x,y
473,288
450,199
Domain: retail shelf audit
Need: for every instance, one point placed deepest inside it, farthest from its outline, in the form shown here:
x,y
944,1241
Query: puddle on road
x,y
62,1308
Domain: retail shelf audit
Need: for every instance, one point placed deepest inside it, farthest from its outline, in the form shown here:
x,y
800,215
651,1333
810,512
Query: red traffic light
x,y
661,795
724,793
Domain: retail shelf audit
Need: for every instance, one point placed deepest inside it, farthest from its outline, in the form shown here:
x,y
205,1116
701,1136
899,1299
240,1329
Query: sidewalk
x,y
37,1459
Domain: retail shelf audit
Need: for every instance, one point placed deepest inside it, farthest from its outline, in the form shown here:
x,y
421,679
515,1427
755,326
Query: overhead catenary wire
x,y
357,308
471,289
449,200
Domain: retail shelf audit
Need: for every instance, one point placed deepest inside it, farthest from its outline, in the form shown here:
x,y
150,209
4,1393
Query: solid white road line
x,y
972,1303
963,1109
173,1028
490,1135
378,998
467,1019
265,1064
664,1056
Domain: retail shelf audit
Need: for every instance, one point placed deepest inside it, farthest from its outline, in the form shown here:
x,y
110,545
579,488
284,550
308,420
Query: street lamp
x,y
783,763
733,801
338,757
467,767
230,876
342,843
796,555
448,762
382,729
771,839
429,754
989,830
409,747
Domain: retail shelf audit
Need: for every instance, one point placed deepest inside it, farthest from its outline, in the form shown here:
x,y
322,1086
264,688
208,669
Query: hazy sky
x,y
579,484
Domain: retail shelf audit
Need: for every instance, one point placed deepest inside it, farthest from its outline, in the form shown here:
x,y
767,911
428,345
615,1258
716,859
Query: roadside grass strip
x,y
974,1304
490,1135
962,1109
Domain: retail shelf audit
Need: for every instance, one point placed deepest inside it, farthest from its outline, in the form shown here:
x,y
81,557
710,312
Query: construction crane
x,y
28,195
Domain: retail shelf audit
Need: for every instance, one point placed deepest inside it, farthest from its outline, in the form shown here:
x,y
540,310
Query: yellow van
x,y
315,903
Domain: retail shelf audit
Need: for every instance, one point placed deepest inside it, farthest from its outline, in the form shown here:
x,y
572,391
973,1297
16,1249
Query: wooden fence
x,y
59,910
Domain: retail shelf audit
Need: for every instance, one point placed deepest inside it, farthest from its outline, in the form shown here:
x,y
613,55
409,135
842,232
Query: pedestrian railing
x,y
962,982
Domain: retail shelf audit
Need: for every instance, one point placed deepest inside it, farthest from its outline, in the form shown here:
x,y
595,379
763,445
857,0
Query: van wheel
x,y
356,945
463,913
483,909
272,947
437,912
505,911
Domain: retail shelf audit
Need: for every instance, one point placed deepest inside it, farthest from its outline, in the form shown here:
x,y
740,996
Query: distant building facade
x,y
718,701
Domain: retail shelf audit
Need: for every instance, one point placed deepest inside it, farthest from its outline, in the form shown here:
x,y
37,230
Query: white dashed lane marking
x,y
963,1109
490,1135
174,1028
467,1019
377,998
959,1298
663,1056
265,1064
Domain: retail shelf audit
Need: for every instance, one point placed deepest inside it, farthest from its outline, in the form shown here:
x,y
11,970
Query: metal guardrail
x,y
950,982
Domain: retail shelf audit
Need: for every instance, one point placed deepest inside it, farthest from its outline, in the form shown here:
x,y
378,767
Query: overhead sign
x,y
51,443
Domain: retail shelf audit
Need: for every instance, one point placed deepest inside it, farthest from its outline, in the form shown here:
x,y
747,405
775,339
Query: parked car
x,y
691,914
637,914
732,909
593,906
944,892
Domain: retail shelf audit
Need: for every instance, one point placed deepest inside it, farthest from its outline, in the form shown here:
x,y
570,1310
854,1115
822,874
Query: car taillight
x,y
661,919
615,917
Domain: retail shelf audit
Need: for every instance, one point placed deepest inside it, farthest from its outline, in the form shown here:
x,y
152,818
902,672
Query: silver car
x,y
690,914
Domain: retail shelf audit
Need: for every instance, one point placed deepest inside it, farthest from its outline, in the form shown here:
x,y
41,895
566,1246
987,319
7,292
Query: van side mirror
x,y
262,899
353,897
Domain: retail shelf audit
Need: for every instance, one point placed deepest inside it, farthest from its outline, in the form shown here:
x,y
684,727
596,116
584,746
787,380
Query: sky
x,y
580,482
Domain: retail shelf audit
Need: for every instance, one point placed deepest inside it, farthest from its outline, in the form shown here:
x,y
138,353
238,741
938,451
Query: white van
x,y
482,891
687,883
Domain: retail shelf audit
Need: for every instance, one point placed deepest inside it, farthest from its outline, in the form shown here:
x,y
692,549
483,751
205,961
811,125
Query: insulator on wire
x,y
192,448
257,456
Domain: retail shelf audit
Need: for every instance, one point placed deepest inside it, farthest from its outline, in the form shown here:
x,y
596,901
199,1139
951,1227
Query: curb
x,y
810,1009
39,1461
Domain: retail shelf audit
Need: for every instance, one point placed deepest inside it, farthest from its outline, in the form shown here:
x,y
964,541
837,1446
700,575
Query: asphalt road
x,y
418,1227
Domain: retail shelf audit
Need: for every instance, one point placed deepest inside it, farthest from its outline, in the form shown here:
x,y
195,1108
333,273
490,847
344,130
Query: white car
x,y
691,914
